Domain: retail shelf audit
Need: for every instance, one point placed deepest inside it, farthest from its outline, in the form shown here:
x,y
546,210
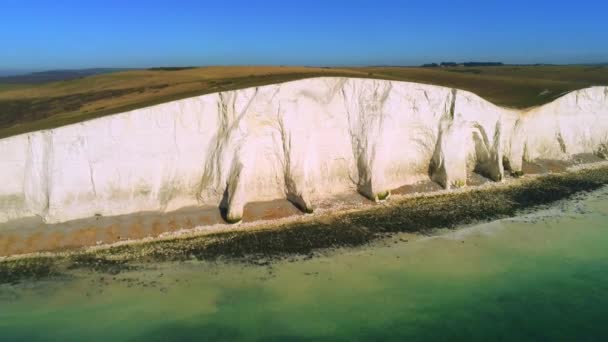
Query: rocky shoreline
x,y
305,236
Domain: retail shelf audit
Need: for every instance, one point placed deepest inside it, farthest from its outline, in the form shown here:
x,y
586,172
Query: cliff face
x,y
302,140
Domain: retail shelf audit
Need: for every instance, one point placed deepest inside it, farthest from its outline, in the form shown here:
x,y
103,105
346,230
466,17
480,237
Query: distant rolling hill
x,y
55,75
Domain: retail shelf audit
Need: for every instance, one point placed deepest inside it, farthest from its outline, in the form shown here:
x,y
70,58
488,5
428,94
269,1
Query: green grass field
x,y
25,108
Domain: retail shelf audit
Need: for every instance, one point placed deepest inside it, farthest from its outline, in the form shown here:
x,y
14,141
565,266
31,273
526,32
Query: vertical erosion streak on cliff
x,y
235,197
437,166
225,168
365,110
296,148
488,159
514,146
37,172
214,176
469,139
169,183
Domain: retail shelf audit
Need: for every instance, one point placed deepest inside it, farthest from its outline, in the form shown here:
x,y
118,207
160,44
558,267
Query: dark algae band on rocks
x,y
417,215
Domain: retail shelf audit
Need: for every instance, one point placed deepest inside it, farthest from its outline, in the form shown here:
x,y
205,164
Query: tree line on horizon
x,y
466,64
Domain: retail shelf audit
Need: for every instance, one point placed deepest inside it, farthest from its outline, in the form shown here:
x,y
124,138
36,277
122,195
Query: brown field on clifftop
x,y
25,108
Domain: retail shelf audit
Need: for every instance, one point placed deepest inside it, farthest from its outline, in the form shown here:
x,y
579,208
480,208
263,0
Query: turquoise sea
x,y
541,276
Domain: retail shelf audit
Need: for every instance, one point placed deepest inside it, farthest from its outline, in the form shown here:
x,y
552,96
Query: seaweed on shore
x,y
99,264
420,214
15,271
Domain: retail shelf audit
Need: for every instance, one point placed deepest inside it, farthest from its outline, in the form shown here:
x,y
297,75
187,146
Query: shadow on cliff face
x,y
421,215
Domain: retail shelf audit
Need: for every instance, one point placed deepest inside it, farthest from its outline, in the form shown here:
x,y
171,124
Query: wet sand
x,y
31,235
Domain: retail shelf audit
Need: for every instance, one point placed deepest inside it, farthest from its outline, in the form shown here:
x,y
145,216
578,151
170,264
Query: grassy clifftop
x,y
25,108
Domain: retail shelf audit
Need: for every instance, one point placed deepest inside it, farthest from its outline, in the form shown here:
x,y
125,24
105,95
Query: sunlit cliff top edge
x,y
28,107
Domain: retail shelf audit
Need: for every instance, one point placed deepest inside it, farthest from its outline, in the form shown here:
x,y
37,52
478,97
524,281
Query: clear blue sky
x,y
131,33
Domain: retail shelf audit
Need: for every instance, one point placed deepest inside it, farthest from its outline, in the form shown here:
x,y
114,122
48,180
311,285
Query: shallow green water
x,y
540,276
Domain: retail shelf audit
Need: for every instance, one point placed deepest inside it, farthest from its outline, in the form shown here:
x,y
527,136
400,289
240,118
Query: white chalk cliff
x,y
303,140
